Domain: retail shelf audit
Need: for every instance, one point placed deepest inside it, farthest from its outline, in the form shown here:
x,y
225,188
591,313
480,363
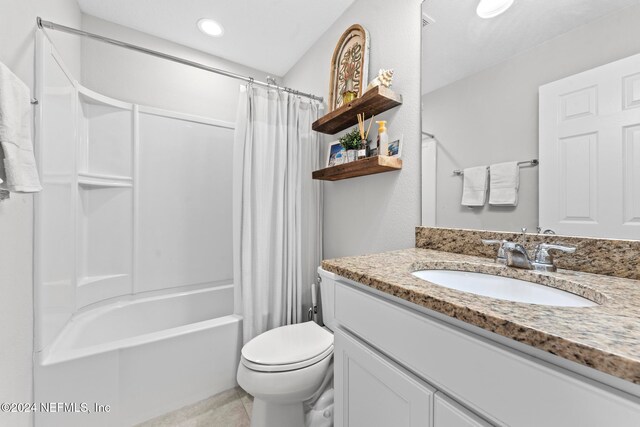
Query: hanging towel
x,y
505,181
20,173
474,187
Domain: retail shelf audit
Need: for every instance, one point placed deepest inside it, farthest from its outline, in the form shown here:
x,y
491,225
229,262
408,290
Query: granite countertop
x,y
604,337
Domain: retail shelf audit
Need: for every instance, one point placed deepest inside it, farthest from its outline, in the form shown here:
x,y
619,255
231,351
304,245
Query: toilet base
x,y
276,415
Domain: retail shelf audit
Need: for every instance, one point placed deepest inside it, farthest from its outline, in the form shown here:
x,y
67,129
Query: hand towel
x,y
474,187
505,181
20,172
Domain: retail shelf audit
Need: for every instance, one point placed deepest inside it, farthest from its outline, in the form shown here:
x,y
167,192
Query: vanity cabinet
x,y
449,413
387,353
374,391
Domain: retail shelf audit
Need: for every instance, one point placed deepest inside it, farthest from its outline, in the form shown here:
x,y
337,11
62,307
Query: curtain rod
x,y
53,26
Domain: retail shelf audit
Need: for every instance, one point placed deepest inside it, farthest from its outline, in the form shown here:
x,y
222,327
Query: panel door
x,y
448,413
372,391
590,152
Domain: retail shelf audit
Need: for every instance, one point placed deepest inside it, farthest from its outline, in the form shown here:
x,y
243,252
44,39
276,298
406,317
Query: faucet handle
x,y
501,254
544,257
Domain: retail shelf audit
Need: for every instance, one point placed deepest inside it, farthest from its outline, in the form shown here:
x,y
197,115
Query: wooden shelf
x,y
374,101
368,166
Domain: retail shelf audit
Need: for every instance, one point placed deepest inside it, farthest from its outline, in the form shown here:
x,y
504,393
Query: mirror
x,y
543,80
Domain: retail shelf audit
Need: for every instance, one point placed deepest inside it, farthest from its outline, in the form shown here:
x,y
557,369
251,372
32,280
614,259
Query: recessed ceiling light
x,y
492,8
210,27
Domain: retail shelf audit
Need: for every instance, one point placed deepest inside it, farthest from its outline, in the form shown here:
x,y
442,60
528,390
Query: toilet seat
x,y
288,348
287,367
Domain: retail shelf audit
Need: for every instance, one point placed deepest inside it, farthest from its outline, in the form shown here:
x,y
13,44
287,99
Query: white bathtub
x,y
143,357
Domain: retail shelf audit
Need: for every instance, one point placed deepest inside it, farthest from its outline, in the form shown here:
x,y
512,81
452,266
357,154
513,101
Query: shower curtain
x,y
277,208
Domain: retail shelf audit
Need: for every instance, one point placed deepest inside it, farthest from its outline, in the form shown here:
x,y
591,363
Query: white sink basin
x,y
504,288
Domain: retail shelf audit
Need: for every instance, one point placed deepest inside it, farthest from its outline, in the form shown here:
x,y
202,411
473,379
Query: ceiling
x,y
460,43
270,35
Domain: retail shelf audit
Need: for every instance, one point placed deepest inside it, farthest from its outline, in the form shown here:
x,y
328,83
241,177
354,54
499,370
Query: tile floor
x,y
231,408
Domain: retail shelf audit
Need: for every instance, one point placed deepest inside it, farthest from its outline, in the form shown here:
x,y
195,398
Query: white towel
x,y
505,181
474,187
20,172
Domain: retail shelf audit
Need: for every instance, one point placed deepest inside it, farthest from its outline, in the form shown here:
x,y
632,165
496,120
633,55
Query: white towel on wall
x,y
474,186
20,173
505,181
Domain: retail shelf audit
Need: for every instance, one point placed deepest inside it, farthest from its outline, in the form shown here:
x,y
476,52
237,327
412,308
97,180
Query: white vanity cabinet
x,y
449,413
373,391
395,366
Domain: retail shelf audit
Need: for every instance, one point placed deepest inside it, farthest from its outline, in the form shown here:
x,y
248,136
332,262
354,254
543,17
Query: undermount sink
x,y
503,288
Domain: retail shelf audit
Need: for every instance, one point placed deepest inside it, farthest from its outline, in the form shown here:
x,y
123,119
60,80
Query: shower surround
x,y
133,275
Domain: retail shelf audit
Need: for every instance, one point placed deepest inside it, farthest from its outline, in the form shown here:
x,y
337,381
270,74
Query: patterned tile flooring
x,y
231,408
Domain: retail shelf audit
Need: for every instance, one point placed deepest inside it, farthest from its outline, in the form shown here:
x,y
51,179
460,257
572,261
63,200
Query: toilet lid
x,y
288,345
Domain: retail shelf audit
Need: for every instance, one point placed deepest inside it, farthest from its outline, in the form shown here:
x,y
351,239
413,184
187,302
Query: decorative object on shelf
x,y
349,72
348,96
384,78
395,148
336,154
351,143
383,138
372,149
352,156
349,67
364,136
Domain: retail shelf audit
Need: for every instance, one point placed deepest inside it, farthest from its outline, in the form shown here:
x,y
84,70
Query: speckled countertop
x,y
604,337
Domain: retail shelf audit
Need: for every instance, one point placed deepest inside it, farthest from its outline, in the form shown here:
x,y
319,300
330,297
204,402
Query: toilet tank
x,y
326,302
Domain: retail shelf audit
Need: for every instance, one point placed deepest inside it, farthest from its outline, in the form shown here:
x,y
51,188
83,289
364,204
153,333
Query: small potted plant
x,y
350,141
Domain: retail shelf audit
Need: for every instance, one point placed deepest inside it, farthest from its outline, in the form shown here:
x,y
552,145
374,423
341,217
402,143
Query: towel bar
x,y
534,162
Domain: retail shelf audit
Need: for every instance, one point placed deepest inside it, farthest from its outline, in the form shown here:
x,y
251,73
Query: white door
x,y
373,392
590,152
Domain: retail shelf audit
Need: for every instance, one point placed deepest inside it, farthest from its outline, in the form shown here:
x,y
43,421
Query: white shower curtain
x,y
277,208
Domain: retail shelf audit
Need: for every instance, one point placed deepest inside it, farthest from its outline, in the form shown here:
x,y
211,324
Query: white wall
x,y
492,116
139,78
17,25
379,212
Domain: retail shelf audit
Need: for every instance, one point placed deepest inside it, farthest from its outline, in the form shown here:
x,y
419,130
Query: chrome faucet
x,y
543,260
515,255
501,258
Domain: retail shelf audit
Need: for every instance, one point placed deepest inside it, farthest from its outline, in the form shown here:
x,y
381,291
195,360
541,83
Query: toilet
x,y
286,366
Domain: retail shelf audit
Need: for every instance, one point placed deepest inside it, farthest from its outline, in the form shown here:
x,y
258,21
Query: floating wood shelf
x,y
368,166
374,101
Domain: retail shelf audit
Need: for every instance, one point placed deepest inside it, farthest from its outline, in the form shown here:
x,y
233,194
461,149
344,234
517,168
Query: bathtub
x,y
142,357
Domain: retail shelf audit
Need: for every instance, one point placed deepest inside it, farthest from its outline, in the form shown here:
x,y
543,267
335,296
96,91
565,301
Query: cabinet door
x,y
447,413
372,391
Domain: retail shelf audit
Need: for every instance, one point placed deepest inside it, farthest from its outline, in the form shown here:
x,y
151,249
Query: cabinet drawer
x,y
372,391
448,413
508,388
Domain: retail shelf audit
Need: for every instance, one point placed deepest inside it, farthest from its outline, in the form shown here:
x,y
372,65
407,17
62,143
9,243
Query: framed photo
x,y
335,155
395,148
349,65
